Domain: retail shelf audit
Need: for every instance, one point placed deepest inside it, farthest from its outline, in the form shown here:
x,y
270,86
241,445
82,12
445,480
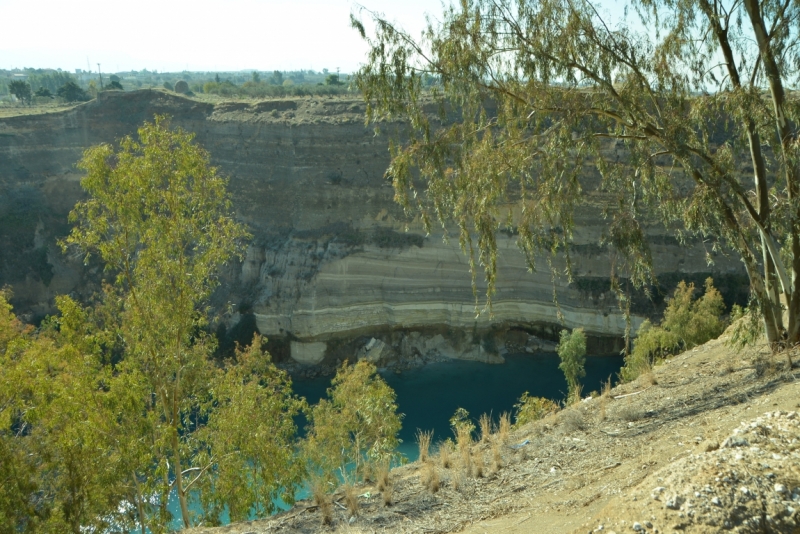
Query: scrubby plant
x,y
351,500
572,351
424,443
322,499
445,448
747,327
355,426
687,323
504,429
529,409
486,427
430,477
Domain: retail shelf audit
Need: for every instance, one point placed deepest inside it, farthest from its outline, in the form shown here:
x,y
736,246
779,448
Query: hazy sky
x,y
197,35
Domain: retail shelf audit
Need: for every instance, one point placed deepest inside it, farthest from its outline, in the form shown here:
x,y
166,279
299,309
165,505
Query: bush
x,y
356,426
43,92
572,351
529,409
687,323
71,92
21,90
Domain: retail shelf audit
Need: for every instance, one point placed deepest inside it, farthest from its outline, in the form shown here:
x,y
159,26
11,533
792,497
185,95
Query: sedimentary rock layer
x,y
330,255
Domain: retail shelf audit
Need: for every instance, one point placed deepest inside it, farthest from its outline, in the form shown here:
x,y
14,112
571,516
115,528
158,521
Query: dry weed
x,y
464,440
430,477
505,427
486,427
383,476
351,499
322,500
477,465
444,454
631,412
424,443
605,396
386,494
573,420
497,460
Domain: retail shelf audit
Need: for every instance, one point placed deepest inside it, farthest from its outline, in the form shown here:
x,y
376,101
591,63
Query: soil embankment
x,y
710,442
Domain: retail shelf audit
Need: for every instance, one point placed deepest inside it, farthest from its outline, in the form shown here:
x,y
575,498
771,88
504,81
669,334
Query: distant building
x,y
19,77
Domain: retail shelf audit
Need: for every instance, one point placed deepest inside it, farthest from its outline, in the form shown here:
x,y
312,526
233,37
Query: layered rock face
x,y
331,261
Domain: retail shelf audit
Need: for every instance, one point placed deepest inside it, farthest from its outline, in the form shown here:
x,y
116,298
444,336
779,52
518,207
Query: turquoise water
x,y
429,395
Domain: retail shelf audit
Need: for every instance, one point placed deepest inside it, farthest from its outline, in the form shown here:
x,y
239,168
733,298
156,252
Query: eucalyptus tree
x,y
355,428
160,218
685,107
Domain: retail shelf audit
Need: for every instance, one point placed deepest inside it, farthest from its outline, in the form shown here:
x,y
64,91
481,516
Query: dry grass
x,y
351,499
383,477
386,494
424,443
605,395
322,500
572,420
464,440
430,477
444,455
497,459
486,427
477,465
504,431
649,378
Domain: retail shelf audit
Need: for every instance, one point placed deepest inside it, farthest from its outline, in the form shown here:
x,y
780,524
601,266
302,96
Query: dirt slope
x,y
689,449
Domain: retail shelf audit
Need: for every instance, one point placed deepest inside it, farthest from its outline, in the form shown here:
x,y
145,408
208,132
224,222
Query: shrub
x,y
21,90
355,426
71,92
43,92
529,409
424,442
572,351
687,323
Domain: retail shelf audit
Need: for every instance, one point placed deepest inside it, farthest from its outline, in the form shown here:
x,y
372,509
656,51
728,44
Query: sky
x,y
197,35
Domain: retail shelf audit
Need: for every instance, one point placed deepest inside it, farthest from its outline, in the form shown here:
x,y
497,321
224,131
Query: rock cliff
x,y
331,262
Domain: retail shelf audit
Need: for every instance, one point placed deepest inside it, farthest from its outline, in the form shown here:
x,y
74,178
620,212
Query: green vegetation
x,y
572,351
43,92
529,409
354,430
21,90
687,323
528,92
71,92
265,89
160,219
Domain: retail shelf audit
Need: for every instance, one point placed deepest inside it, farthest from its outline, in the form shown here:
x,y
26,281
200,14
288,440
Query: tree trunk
x,y
179,480
773,320
787,135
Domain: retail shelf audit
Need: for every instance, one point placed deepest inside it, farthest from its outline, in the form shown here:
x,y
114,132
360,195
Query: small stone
x,y
780,488
735,441
638,527
648,524
715,501
744,490
674,503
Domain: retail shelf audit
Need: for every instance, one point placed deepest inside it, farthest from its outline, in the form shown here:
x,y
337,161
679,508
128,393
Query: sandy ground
x,y
670,452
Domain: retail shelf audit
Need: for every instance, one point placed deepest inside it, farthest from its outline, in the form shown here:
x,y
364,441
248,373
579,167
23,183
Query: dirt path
x,y
598,466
